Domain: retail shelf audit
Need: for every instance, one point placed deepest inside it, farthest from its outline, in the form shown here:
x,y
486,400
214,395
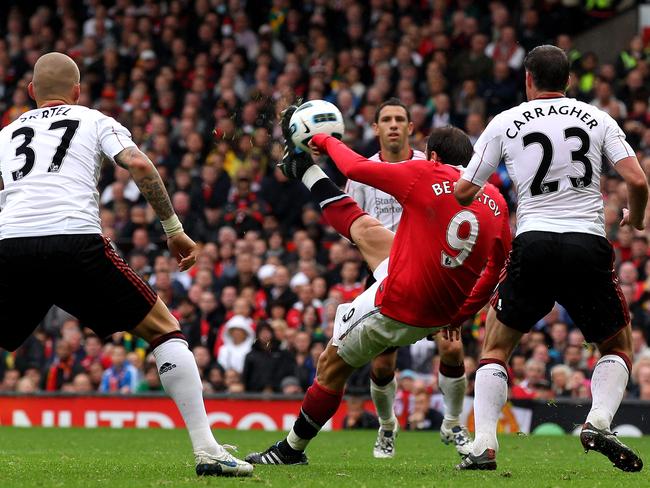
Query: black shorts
x,y
82,274
574,269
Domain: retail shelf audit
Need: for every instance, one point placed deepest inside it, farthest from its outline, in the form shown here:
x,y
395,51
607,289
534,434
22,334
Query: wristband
x,y
172,226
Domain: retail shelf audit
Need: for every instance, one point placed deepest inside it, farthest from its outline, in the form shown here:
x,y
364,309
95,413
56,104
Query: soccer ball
x,y
315,117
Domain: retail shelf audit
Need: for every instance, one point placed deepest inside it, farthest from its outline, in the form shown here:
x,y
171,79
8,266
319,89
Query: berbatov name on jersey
x,y
50,159
553,149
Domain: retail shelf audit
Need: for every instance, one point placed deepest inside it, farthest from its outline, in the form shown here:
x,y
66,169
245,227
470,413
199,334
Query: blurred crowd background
x,y
200,85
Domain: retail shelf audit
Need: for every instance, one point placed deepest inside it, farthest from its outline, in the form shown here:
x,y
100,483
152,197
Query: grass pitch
x,y
151,458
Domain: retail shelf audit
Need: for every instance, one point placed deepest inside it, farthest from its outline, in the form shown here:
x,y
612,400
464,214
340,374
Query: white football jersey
x,y
553,150
50,160
378,204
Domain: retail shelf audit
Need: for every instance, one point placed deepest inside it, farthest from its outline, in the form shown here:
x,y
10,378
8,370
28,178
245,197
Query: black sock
x,y
325,191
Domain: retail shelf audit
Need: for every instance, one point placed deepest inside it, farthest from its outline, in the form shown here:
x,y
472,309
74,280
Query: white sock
x,y
384,397
312,175
453,391
608,384
296,442
180,379
490,395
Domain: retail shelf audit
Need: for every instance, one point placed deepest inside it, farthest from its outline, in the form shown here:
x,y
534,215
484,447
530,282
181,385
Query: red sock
x,y
321,403
341,214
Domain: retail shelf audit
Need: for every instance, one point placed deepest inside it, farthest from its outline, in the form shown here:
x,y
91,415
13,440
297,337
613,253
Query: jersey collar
x,y
550,95
52,104
411,154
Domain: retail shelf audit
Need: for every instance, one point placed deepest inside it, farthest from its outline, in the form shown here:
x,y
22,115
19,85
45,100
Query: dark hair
x,y
549,67
392,102
451,144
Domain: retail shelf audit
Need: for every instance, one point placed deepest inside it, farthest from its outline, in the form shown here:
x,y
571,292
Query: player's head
x,y
393,125
56,77
449,145
547,70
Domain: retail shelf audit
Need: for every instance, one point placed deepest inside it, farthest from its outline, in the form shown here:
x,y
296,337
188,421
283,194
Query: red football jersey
x,y
446,259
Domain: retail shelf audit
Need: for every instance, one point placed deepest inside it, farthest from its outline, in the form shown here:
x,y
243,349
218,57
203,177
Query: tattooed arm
x,y
148,179
146,176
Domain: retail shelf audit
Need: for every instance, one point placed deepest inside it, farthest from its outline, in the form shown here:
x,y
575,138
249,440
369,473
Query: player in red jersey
x,y
444,262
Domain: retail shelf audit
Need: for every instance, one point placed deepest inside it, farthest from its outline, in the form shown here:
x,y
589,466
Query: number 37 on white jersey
x,y
554,150
50,159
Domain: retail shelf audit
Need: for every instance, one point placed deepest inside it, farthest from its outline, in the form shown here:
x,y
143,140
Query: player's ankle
x,y
388,425
597,420
287,450
450,422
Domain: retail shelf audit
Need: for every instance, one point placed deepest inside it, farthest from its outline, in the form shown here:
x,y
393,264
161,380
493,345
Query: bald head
x,y
56,77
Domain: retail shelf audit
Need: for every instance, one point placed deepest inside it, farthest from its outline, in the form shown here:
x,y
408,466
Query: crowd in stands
x,y
200,85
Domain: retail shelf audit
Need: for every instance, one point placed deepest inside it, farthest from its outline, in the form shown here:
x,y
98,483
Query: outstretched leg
x,y
180,378
321,402
342,212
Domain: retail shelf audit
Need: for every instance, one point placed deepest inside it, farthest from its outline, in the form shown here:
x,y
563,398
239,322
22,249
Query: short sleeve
x,y
113,137
615,147
487,154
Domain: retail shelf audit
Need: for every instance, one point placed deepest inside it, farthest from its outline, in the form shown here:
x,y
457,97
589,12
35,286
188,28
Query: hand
x,y
451,332
315,150
183,249
626,221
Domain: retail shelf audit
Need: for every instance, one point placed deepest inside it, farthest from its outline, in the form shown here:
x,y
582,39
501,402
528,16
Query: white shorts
x,y
361,332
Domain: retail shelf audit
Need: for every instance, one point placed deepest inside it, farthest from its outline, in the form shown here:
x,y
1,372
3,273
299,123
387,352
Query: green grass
x,y
153,458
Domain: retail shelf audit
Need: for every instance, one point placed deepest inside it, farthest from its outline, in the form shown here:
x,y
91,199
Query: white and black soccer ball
x,y
315,117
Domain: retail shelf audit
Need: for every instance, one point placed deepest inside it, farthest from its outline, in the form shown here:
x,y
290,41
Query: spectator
x,y
266,365
506,49
424,417
535,373
82,384
291,386
151,380
357,416
10,380
560,375
121,377
63,368
238,341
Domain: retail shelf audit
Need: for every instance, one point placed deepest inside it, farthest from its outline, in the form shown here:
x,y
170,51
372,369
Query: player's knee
x,y
382,369
382,372
158,323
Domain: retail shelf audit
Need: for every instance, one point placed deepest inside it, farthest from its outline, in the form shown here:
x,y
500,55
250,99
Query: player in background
x,y
52,251
554,148
440,270
393,127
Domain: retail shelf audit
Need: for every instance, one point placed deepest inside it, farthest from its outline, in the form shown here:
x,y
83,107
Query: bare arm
x,y
637,189
146,176
148,179
465,192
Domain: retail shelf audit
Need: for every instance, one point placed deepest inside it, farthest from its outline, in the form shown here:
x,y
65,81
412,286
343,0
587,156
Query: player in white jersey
x,y
554,149
52,251
393,127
